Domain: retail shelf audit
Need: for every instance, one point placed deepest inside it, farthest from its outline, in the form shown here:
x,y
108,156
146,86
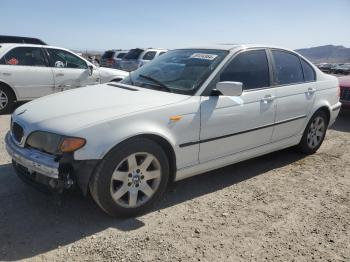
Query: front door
x,y
70,71
231,125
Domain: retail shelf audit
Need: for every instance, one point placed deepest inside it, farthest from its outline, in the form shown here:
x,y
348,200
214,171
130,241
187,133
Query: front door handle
x,y
268,99
59,74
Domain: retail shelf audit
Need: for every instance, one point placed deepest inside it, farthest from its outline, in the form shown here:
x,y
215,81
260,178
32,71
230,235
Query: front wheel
x,y
131,178
314,133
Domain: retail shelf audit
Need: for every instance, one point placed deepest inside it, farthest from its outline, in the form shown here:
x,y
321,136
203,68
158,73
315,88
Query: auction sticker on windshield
x,y
203,56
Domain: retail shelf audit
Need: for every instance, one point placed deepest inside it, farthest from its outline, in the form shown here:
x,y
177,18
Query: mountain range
x,y
326,53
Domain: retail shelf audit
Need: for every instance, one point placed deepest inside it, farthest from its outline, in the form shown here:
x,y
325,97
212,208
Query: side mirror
x,y
228,88
91,69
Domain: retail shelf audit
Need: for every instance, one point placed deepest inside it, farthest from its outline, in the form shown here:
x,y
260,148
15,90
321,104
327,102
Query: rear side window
x,y
309,73
24,56
287,68
251,68
149,55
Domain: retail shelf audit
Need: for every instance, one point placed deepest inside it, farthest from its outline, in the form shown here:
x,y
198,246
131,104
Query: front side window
x,y
309,73
24,56
250,67
63,59
179,71
149,55
287,68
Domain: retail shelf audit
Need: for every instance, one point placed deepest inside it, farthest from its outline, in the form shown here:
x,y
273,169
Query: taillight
x,y
338,91
110,61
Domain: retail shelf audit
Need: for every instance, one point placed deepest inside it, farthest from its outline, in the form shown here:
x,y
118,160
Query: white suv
x,y
137,57
31,71
187,112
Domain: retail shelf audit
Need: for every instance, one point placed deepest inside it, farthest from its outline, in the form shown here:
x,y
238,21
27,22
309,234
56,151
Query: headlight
x,y
54,144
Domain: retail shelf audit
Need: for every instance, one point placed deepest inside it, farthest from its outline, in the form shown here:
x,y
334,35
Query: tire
x,y
137,169
314,133
7,100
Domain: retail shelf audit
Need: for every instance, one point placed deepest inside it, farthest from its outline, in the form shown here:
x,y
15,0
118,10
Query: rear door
x,y
70,71
26,69
231,125
295,93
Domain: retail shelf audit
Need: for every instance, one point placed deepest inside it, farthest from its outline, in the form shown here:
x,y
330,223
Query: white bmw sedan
x,y
188,111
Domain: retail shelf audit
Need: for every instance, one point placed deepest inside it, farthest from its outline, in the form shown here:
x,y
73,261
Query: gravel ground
x,y
279,207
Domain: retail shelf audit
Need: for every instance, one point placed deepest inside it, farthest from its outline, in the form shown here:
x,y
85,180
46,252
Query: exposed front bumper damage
x,y
49,172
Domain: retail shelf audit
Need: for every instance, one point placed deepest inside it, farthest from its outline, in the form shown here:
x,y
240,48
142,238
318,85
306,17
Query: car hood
x,y
72,110
344,81
107,73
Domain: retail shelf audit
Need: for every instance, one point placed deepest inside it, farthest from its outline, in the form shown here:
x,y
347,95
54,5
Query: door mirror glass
x,y
228,88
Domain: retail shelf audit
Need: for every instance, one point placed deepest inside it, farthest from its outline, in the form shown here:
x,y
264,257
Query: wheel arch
x,y
162,142
3,83
326,110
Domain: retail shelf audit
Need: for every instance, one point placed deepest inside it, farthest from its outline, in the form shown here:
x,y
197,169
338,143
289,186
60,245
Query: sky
x,y
108,24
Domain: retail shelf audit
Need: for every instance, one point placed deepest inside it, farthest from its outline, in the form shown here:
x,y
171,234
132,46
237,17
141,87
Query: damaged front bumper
x,y
48,172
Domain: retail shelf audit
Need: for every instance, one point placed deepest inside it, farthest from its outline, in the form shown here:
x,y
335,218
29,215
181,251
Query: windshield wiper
x,y
160,84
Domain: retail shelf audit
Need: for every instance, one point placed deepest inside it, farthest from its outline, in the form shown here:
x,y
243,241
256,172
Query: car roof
x,y
230,47
9,45
21,39
155,49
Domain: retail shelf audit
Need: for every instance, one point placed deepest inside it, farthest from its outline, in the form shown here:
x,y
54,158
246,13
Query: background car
x,y
341,69
31,71
344,83
325,67
20,40
112,58
137,57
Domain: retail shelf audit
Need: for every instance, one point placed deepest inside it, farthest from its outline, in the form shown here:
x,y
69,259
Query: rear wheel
x,y
131,178
7,100
314,133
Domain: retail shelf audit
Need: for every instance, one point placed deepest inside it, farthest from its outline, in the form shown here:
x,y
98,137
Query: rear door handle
x,y
59,74
311,90
268,99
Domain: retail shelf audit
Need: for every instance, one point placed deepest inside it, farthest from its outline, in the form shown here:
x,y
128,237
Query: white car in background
x,y
188,112
138,57
30,71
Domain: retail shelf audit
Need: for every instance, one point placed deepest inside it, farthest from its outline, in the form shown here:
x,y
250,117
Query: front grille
x,y
17,132
345,94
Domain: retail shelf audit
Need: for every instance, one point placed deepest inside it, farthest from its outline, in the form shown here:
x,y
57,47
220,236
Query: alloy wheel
x,y
316,132
3,100
135,179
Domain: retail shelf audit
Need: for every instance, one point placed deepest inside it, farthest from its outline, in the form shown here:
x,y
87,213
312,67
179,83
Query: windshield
x,y
179,71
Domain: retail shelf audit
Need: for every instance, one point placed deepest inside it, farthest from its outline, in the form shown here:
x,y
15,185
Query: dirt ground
x,y
279,207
